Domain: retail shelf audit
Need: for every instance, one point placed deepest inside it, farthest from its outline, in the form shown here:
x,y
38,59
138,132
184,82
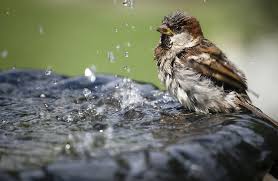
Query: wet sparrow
x,y
197,72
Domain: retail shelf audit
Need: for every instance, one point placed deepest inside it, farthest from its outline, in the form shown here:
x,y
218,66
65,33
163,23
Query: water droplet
x,y
126,54
126,68
118,47
43,96
99,110
90,73
80,114
7,12
151,28
69,118
41,29
111,57
67,146
128,44
129,3
55,81
48,71
87,92
42,114
46,105
101,131
116,30
126,24
133,28
4,54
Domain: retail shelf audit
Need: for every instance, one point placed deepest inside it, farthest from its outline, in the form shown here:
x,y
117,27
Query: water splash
x,y
87,92
4,54
90,73
48,71
128,94
111,57
68,118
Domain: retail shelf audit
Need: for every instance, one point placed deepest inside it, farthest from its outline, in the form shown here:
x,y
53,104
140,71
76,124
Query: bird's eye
x,y
178,28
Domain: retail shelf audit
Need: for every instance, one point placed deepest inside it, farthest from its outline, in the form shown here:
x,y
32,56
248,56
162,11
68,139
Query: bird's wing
x,y
211,62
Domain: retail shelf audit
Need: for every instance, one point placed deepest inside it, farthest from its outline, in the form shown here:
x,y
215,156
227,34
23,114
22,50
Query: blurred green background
x,y
70,35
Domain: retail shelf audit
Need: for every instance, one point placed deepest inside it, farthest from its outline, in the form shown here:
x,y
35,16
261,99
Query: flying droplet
x,y
67,147
4,54
128,44
129,3
111,57
87,92
101,131
41,29
133,28
118,47
116,30
90,73
126,68
151,28
48,71
126,54
7,12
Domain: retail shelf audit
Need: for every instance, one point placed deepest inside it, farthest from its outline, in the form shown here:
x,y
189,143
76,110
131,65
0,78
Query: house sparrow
x,y
197,72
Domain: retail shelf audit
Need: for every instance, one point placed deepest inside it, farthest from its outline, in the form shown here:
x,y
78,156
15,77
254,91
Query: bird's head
x,y
179,30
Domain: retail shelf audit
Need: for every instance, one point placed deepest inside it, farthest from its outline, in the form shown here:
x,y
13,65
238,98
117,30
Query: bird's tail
x,y
247,105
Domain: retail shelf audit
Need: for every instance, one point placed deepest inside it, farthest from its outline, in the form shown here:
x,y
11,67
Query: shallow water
x,y
46,117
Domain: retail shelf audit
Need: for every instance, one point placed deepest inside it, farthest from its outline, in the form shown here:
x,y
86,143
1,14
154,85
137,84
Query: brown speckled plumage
x,y
197,72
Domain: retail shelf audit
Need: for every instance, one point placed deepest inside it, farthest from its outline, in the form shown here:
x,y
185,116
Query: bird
x,y
197,72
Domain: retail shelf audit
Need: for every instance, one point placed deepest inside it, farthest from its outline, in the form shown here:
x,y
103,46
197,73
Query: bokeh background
x,y
69,35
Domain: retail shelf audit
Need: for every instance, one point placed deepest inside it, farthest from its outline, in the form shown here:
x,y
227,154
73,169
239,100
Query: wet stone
x,y
80,128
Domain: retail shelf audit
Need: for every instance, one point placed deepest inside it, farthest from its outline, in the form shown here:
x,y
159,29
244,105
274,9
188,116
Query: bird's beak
x,y
164,29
